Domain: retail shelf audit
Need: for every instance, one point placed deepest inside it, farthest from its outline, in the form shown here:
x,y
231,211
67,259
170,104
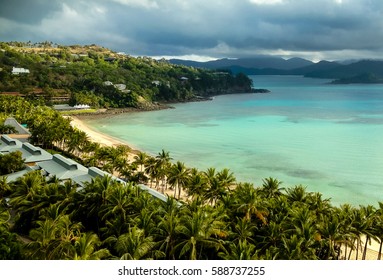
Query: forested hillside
x,y
99,77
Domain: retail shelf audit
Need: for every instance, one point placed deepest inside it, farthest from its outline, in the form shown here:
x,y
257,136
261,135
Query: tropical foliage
x,y
110,220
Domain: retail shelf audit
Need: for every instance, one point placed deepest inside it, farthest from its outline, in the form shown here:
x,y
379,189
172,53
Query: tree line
x,y
219,218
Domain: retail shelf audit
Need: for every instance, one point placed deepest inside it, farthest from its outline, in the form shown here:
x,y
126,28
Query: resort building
x,y
17,71
108,83
22,133
57,166
31,155
62,168
7,143
93,173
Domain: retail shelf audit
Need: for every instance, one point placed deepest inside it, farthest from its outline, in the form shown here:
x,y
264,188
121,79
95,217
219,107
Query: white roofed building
x,y
17,71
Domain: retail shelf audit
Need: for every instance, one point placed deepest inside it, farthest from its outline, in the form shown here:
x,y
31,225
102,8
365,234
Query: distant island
x,y
366,78
362,71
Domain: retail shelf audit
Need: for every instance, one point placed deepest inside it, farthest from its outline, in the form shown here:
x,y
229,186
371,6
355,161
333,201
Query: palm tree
x,y
369,219
297,194
90,200
141,159
271,238
357,228
242,250
10,246
152,170
145,220
226,178
379,228
270,188
198,231
244,230
163,163
117,201
178,177
86,246
346,217
210,173
166,233
5,189
43,236
197,184
27,195
250,203
53,239
134,245
332,237
293,248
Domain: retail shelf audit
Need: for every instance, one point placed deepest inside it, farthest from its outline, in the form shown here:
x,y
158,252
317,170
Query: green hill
x,y
99,77
364,71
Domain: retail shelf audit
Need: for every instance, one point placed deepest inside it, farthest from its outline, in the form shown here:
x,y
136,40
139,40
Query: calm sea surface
x,y
325,137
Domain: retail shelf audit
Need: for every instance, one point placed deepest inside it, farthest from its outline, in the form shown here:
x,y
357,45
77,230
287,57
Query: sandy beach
x,y
102,139
95,136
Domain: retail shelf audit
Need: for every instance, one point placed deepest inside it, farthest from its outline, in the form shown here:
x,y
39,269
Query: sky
x,y
203,29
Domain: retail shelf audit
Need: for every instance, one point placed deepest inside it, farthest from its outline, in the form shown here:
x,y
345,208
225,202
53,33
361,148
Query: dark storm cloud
x,y
231,28
25,11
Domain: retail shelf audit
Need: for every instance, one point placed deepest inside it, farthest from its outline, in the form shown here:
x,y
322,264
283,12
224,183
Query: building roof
x,y
62,168
31,153
16,70
120,86
93,173
19,128
154,193
7,143
16,175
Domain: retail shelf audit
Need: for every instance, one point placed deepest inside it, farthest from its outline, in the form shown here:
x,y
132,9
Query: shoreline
x,y
101,138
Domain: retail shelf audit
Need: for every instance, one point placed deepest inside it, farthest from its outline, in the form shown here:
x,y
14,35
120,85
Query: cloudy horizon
x,y
203,30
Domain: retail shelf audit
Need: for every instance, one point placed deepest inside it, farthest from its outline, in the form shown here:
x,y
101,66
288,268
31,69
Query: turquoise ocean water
x,y
306,131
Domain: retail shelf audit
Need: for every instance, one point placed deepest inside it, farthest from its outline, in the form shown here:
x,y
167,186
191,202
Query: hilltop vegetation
x,y
102,78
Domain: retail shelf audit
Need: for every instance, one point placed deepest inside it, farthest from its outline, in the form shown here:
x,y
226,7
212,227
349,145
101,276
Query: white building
x,y
17,71
108,83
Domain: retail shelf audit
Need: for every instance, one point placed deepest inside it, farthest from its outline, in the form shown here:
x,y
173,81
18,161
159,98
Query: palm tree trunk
x,y
380,250
357,248
351,249
365,249
179,192
345,251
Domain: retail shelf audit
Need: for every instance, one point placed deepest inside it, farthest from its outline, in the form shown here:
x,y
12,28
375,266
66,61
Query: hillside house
x,y
108,83
18,71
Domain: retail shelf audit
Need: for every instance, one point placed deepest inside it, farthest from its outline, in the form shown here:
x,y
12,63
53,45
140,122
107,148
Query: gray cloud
x,y
217,28
30,12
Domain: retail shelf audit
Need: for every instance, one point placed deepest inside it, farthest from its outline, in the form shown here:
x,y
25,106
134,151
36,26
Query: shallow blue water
x,y
326,137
